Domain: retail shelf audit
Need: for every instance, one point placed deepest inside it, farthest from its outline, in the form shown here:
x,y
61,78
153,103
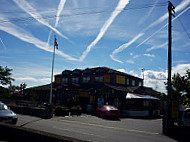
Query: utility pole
x,y
167,120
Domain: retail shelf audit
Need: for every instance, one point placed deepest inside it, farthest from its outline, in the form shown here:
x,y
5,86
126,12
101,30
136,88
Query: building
x,y
93,87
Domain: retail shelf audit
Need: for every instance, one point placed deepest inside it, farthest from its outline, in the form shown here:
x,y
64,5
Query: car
x,y
184,118
7,115
108,111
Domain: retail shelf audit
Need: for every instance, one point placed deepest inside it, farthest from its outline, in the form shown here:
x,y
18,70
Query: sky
x,y
125,35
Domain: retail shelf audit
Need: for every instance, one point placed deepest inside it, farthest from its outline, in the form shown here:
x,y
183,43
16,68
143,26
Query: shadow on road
x,y
181,134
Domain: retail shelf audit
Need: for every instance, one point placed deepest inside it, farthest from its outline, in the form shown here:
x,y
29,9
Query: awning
x,y
138,96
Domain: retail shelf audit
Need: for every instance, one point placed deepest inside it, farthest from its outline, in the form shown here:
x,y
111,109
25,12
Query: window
x,y
75,80
99,78
133,82
87,71
86,79
99,71
127,81
64,80
140,83
76,72
65,73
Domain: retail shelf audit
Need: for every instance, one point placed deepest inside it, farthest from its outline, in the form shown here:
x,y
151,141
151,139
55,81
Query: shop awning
x,y
138,96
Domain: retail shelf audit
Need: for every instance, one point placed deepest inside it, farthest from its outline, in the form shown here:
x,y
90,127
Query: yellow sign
x,y
84,94
58,79
92,100
120,79
107,78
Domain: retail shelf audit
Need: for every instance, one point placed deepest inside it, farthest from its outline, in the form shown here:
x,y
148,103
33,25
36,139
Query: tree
x,y
181,87
5,75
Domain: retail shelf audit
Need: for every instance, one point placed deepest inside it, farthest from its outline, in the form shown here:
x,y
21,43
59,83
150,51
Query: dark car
x,y
108,111
7,115
184,118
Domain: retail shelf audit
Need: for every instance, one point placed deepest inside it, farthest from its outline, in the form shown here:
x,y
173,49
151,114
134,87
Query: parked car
x,y
7,115
108,111
184,118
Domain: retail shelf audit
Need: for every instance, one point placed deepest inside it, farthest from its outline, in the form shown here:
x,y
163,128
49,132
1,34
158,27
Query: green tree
x,y
5,75
181,87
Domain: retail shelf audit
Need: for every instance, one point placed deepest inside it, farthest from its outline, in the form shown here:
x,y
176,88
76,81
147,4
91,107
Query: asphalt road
x,y
92,128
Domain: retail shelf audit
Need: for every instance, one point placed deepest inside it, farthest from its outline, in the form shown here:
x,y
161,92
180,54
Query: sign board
x,y
120,79
107,78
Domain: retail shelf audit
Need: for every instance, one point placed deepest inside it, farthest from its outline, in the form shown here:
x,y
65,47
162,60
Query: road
x,y
92,128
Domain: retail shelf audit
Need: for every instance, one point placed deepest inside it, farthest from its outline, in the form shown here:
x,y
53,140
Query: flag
x,y
56,43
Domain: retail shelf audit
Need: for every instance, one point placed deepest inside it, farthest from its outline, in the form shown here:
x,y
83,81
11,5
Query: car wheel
x,y
14,122
181,123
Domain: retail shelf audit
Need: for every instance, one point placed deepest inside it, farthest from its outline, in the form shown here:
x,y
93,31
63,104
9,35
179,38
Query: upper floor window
x,y
65,73
87,71
86,79
76,72
140,83
133,82
99,78
99,71
127,81
75,80
64,80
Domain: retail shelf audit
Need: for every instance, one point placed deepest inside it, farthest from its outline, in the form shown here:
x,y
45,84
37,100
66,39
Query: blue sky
x,y
125,35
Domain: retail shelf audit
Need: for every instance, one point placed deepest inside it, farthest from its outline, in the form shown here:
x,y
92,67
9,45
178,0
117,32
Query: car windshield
x,y
110,107
3,106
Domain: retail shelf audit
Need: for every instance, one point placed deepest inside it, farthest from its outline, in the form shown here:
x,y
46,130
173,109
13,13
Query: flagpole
x,y
50,98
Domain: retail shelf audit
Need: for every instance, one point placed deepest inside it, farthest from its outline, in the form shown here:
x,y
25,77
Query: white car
x,y
7,115
184,118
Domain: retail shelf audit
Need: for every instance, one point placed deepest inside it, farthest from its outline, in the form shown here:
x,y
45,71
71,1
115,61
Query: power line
x,y
82,13
184,28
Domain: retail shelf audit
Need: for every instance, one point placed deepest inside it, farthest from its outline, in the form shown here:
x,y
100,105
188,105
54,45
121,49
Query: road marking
x,y
108,127
79,132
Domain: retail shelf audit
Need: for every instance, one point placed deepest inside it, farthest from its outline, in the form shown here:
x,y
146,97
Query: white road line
x,y
79,132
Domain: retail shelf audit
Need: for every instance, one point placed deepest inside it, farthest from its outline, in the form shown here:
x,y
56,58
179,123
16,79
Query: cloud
x,y
130,61
59,10
149,55
121,5
162,27
143,19
27,37
181,6
3,43
181,69
31,11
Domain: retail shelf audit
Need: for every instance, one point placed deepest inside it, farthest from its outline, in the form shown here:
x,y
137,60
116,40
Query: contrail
x,y
23,35
2,43
59,10
31,11
162,27
121,5
181,6
148,14
123,46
